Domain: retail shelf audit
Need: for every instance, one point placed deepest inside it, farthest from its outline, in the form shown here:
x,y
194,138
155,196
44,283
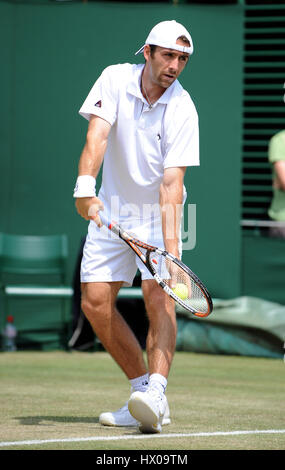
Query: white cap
x,y
165,34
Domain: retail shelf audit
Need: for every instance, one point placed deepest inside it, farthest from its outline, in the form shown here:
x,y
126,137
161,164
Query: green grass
x,y
57,395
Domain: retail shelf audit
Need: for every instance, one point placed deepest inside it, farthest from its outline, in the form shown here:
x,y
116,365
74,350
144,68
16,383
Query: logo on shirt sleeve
x,y
98,104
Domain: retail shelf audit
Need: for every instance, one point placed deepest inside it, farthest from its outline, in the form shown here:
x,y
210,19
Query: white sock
x,y
158,381
140,384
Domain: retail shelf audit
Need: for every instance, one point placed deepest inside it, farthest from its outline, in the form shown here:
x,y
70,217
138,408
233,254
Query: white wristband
x,y
85,186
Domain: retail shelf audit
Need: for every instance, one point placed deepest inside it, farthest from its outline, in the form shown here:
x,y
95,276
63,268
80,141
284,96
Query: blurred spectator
x,y
277,158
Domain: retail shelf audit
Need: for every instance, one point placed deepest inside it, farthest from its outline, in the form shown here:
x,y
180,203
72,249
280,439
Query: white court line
x,y
142,436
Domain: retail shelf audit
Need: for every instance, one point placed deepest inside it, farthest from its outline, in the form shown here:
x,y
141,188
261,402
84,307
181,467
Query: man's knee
x,y
97,300
90,306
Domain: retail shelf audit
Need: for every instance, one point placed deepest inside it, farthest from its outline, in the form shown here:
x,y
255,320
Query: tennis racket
x,y
175,278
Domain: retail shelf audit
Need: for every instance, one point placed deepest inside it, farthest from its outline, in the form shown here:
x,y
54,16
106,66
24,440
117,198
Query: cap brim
x,y
140,50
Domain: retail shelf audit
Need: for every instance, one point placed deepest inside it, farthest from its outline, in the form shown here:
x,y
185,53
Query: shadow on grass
x,y
38,420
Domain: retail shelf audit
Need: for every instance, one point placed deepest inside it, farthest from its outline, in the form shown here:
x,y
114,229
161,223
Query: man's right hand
x,y
89,207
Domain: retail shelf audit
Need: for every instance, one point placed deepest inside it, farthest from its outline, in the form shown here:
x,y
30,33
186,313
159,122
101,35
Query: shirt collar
x,y
134,87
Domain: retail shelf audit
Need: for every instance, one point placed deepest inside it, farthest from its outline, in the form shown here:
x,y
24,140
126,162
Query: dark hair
x,y
184,39
152,49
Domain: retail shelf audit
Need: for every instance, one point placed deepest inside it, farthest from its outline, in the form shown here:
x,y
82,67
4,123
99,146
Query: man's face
x,y
165,65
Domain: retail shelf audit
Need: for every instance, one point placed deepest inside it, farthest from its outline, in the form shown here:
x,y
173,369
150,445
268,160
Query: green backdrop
x,y
52,54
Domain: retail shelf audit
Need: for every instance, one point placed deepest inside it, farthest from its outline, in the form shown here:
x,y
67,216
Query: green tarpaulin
x,y
244,326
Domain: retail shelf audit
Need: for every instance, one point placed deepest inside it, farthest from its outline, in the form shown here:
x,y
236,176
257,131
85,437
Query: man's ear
x,y
146,52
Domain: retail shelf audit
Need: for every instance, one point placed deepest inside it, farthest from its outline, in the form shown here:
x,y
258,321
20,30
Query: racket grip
x,y
111,225
104,219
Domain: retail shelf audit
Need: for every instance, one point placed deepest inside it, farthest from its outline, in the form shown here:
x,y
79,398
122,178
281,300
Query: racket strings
x,y
172,274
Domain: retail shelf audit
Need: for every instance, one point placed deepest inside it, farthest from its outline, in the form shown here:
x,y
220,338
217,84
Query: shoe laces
x,y
154,392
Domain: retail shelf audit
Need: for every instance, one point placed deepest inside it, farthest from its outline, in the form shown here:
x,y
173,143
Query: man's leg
x,y
98,305
161,339
149,408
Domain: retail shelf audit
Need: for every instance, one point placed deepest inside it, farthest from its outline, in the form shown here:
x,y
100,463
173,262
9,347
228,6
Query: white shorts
x,y
107,258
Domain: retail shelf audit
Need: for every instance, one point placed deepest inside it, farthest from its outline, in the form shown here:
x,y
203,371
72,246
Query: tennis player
x,y
143,128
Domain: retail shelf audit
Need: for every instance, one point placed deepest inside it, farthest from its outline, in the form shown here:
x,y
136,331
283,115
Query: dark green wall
x,y
52,54
263,267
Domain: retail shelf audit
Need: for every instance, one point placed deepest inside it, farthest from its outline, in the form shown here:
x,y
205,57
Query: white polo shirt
x,y
143,141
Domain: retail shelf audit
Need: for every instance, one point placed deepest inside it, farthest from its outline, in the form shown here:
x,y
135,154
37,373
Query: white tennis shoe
x,y
123,417
148,408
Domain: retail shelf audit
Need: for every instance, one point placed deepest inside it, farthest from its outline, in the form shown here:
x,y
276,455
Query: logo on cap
x,y
98,104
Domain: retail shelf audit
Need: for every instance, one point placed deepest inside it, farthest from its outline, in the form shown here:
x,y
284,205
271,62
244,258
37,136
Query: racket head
x,y
190,292
196,299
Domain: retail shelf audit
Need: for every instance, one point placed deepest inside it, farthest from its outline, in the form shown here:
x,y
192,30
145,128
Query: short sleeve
x,y
277,147
102,98
182,135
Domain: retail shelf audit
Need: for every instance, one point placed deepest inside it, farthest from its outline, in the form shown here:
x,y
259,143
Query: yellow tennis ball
x,y
181,291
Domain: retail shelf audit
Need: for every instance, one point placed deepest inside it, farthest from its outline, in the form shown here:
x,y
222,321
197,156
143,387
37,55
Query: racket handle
x,y
104,219
113,226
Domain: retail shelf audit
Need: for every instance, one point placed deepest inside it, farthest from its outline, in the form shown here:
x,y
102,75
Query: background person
x,y
277,158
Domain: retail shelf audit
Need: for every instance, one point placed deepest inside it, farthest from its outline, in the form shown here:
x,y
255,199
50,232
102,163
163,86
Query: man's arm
x,y
279,181
171,199
90,162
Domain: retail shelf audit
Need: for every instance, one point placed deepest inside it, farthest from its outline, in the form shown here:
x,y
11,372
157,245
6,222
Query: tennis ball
x,y
181,291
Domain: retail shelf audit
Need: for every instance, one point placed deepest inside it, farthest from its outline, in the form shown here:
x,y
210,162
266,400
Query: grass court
x,y
52,400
